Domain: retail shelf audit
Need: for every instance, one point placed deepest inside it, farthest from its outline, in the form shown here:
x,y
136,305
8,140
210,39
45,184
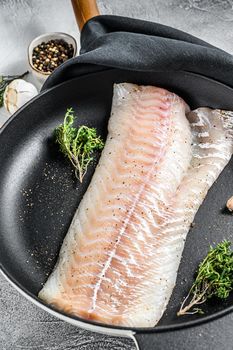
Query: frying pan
x,y
39,193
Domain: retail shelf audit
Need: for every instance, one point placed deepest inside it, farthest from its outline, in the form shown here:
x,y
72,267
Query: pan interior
x,y
39,193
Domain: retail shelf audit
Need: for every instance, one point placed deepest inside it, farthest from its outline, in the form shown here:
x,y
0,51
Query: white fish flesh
x,y
118,263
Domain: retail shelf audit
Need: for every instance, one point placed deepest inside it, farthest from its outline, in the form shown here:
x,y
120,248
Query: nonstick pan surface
x,y
39,193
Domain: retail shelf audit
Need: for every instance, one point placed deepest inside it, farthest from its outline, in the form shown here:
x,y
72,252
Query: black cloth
x,y
126,43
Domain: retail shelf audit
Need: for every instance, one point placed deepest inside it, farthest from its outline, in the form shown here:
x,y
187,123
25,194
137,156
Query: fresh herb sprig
x,y
214,279
77,144
6,80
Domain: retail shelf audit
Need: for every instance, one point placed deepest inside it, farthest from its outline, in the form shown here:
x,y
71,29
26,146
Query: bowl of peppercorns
x,y
49,51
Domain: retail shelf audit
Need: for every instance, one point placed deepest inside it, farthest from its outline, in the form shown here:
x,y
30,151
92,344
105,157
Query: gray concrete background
x,y
22,325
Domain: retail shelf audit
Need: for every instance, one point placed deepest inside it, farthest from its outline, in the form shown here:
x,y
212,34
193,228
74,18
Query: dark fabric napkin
x,y
131,44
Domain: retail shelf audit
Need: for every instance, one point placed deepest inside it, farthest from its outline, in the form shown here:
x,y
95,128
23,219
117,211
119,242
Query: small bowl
x,y
39,75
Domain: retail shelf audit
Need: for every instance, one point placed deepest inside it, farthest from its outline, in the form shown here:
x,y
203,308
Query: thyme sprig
x,y
214,279
77,144
6,80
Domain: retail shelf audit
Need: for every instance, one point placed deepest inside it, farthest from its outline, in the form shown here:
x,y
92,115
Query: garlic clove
x,y
17,93
229,204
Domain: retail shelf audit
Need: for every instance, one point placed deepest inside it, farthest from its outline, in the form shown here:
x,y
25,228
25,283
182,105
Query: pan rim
x,y
99,327
104,328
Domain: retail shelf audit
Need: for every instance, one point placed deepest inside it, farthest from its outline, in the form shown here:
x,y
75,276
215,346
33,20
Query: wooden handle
x,y
84,10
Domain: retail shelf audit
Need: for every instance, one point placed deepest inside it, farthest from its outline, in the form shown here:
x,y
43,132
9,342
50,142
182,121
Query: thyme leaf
x,y
214,279
77,144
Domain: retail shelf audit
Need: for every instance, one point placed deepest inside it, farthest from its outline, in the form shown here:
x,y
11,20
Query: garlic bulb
x,y
17,93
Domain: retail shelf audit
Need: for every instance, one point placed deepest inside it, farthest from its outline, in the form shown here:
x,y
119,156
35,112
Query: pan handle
x,y
153,341
159,341
84,10
185,338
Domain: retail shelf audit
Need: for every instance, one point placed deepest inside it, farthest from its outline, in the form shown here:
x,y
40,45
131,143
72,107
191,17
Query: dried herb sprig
x,y
214,278
6,80
77,144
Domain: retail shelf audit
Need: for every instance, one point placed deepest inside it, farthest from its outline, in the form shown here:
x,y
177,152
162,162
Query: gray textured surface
x,y
22,325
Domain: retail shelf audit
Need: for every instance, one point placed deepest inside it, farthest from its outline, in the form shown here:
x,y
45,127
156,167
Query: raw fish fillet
x,y
118,263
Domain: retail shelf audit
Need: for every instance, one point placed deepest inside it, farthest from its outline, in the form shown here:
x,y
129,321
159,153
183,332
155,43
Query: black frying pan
x,y
39,193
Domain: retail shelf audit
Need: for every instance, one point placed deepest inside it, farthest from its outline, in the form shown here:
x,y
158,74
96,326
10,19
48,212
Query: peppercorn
x,y
49,55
